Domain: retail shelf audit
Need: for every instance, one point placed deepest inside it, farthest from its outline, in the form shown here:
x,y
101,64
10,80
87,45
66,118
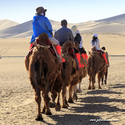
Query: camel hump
x,y
93,49
66,46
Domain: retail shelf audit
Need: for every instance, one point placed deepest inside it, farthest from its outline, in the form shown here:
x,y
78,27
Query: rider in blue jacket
x,y
41,24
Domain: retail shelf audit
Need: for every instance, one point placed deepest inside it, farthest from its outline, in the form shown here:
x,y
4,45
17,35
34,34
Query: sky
x,y
74,11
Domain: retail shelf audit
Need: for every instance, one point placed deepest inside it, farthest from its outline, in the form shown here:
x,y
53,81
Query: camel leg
x,y
64,98
99,87
46,103
93,81
89,87
80,87
66,102
46,98
44,108
70,100
102,80
58,107
106,76
75,97
53,96
38,100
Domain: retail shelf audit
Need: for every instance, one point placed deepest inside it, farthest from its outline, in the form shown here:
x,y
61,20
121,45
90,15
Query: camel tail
x,y
27,63
43,70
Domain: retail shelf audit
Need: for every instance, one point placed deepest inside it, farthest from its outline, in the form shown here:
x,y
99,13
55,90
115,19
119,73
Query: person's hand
x,y
52,34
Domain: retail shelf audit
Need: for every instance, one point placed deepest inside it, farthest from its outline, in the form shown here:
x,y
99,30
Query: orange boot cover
x,y
83,55
31,46
58,48
78,58
105,58
86,57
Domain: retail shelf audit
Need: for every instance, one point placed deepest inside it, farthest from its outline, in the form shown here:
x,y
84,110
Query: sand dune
x,y
15,30
103,27
114,24
7,23
114,44
22,35
117,19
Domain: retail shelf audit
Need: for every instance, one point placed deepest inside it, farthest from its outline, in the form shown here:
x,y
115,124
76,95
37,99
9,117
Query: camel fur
x,y
96,66
71,74
82,72
44,75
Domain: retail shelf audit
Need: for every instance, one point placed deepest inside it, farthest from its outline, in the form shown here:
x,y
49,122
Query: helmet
x,y
95,35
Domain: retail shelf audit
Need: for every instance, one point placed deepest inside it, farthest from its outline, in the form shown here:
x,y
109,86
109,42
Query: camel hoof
x,y
39,118
93,88
52,105
43,111
57,107
64,106
78,90
48,113
75,97
105,82
89,88
99,88
66,103
70,101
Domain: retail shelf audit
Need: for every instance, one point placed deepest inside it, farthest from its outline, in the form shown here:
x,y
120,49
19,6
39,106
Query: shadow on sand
x,y
118,86
102,92
74,119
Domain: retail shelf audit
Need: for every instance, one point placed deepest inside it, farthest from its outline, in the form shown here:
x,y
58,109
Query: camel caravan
x,y
50,78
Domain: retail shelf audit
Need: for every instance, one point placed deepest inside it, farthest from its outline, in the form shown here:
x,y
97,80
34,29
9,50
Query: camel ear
x,y
89,52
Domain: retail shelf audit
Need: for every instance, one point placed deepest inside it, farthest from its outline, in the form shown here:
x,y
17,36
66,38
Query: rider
x,y
41,24
95,42
106,53
78,38
64,34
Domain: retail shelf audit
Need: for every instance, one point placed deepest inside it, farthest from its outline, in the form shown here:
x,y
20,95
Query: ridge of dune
x,y
114,24
15,30
22,35
7,23
118,19
104,27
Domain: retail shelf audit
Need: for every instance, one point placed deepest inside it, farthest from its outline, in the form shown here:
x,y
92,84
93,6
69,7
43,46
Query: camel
x,y
82,73
96,66
44,75
71,75
83,61
69,70
106,74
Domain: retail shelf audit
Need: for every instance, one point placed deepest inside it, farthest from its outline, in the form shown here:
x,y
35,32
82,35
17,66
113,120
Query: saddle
x,y
99,53
48,42
72,52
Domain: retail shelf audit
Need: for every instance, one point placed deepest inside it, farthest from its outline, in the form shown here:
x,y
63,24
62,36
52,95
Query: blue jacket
x,y
41,24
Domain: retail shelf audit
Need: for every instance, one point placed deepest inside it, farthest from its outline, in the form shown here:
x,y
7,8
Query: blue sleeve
x,y
48,25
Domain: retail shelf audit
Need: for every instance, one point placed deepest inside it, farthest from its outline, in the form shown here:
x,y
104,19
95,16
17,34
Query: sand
x,y
104,107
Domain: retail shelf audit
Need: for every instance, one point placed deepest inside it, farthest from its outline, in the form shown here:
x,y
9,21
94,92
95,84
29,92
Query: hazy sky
x,y
75,11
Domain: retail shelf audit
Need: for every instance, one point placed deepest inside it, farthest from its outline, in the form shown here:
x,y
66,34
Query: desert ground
x,y
104,106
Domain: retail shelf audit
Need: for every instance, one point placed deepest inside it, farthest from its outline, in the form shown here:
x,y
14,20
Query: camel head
x,y
42,38
76,44
66,46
